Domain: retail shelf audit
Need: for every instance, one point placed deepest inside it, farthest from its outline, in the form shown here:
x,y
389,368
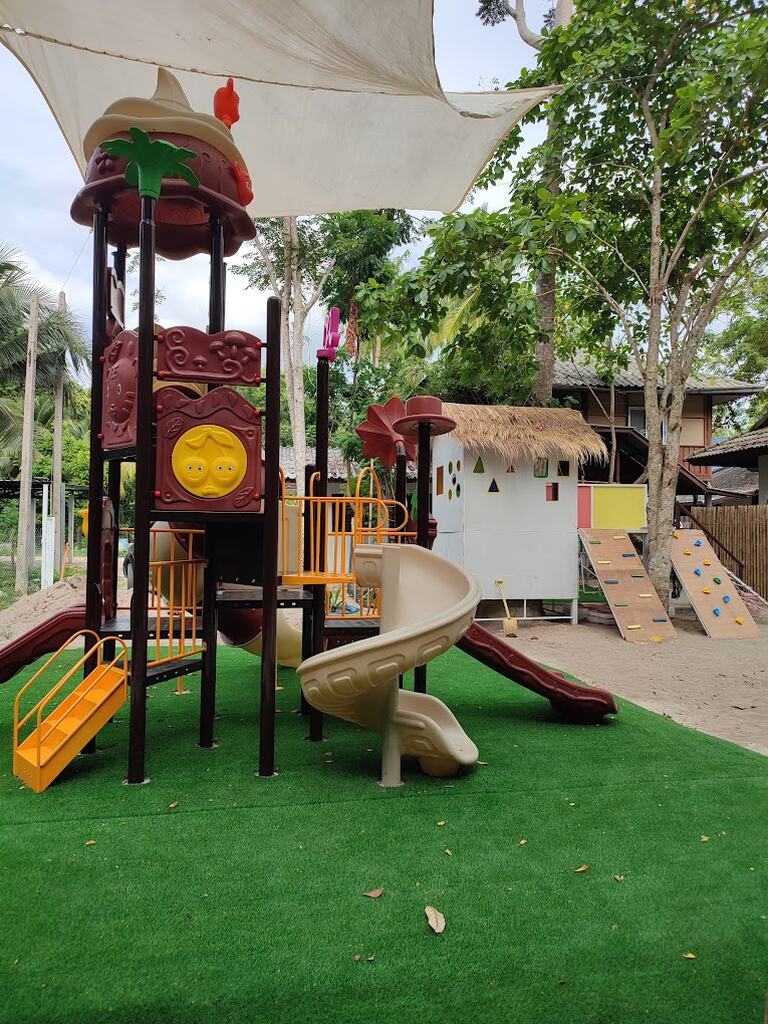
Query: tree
x,y
359,244
663,122
301,259
291,261
493,12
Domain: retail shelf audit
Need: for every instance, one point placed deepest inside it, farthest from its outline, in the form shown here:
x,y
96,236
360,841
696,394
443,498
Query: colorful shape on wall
x,y
553,492
479,467
439,480
458,465
541,468
458,490
450,468
450,494
563,467
209,461
494,488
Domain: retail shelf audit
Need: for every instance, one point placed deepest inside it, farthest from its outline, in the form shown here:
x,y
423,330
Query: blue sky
x,y
38,177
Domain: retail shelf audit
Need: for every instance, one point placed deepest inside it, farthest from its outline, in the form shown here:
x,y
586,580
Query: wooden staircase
x,y
60,734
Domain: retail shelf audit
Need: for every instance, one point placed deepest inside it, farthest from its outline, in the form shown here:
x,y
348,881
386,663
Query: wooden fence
x,y
742,530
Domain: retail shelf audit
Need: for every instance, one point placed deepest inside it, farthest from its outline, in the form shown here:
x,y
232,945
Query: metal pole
x,y
216,283
321,490
56,456
269,540
422,525
144,495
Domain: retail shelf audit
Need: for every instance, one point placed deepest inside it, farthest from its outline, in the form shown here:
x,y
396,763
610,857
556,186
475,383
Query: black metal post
x,y
269,540
96,459
321,490
401,492
422,525
307,634
144,495
210,638
216,286
113,493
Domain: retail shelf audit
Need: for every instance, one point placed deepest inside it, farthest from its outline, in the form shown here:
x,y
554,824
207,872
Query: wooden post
x,y
269,540
27,452
56,457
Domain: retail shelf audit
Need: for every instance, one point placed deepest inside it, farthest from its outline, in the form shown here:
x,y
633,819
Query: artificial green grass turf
x,y
244,903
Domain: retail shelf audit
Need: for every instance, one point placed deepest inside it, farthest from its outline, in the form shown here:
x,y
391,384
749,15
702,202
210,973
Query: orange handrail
x,y
94,651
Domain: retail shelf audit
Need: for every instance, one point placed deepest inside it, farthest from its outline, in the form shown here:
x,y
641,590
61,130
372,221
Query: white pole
x,y
391,759
56,458
26,517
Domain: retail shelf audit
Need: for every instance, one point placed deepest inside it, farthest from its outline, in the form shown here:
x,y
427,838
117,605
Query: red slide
x,y
579,703
47,636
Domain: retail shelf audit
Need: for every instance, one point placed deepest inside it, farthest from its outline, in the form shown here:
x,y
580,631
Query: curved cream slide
x,y
427,603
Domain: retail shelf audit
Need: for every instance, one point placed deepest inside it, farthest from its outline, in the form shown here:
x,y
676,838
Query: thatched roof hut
x,y
516,432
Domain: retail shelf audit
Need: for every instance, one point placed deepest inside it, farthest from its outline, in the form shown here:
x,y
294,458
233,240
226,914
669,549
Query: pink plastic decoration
x,y
331,336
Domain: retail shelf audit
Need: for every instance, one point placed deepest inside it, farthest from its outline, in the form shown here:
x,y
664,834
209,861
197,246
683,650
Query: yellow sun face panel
x,y
618,507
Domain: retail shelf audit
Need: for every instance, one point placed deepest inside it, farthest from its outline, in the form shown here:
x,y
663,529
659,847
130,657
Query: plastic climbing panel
x,y
710,589
632,598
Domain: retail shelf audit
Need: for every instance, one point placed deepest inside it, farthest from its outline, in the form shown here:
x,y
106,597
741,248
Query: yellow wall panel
x,y
618,507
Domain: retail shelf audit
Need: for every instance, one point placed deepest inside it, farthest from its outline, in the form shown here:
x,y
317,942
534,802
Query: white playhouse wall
x,y
502,525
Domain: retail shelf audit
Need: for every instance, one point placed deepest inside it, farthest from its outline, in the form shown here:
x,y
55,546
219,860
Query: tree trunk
x,y
351,340
27,455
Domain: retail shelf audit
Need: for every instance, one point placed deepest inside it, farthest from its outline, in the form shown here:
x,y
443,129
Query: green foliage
x,y
740,349
359,244
151,161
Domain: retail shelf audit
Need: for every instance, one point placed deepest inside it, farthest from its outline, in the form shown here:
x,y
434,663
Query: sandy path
x,y
717,686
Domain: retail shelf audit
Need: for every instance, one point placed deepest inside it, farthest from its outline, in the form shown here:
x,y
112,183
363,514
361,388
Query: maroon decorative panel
x,y
229,357
208,452
118,407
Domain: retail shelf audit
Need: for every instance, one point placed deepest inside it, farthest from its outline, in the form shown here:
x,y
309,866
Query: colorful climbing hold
x,y
687,551
637,575
715,611
610,581
633,627
645,595
739,621
659,618
621,604
595,542
603,561
698,543
706,590
726,598
707,561
629,554
716,579
676,534
697,571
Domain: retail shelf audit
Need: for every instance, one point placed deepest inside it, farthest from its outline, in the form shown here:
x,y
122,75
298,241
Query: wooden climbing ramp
x,y
710,589
632,598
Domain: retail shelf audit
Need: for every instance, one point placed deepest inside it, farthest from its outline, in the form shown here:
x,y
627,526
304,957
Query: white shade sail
x,y
341,106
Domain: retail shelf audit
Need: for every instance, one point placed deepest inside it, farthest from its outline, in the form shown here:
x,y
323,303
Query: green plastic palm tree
x,y
150,162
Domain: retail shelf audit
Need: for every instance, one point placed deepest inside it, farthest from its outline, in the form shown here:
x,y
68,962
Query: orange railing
x,y
345,522
95,677
175,590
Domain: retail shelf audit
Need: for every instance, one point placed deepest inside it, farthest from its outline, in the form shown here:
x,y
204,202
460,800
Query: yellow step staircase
x,y
42,754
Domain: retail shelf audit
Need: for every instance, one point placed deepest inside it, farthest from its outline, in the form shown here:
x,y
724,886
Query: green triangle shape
x,y
494,488
479,467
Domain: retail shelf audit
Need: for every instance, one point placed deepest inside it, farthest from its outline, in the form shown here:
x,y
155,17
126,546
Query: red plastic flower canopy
x,y
379,437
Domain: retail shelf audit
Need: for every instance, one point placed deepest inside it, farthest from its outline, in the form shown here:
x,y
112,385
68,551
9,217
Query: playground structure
x,y
219,547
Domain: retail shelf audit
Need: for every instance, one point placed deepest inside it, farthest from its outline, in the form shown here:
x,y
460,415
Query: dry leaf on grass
x,y
90,842
435,920
689,956
481,762
173,806
440,824
357,958
523,842
370,959
704,839
581,869
619,878
374,894
448,852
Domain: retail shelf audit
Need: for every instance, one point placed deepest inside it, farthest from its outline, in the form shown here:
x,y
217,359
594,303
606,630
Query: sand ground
x,y
716,686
